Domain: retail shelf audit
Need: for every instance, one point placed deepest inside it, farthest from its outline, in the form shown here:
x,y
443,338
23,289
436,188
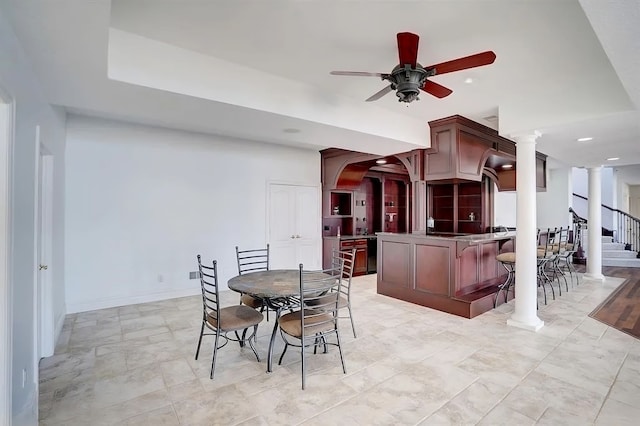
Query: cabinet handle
x,y
297,236
41,267
293,236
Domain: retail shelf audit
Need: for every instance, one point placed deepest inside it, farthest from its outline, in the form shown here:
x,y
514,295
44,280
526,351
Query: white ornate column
x,y
594,225
525,314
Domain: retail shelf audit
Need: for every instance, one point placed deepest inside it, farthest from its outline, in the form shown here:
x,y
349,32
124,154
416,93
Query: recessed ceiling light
x,y
613,158
468,80
584,139
291,130
507,166
381,161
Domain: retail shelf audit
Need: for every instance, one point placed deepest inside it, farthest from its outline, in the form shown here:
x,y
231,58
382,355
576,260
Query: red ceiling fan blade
x,y
477,60
379,94
357,73
408,48
436,89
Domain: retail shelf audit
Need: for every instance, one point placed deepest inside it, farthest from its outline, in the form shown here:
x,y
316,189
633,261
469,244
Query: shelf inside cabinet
x,y
341,203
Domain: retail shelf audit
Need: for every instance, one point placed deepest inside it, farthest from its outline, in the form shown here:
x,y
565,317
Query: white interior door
x,y
281,227
294,226
44,285
307,221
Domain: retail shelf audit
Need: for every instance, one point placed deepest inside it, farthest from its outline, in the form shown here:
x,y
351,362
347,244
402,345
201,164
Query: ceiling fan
x,y
409,77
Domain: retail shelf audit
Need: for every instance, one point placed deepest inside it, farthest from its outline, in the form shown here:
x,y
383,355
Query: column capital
x,y
526,137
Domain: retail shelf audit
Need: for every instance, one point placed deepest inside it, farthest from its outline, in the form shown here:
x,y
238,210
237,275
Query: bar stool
x,y
508,261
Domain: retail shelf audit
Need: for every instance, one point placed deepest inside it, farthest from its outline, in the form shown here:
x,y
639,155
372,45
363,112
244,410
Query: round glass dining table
x,y
275,288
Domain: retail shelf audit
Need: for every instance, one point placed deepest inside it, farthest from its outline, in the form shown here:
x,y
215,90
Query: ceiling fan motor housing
x,y
407,81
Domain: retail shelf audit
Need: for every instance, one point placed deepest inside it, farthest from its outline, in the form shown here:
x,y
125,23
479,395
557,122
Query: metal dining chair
x,y
221,321
253,260
311,327
347,258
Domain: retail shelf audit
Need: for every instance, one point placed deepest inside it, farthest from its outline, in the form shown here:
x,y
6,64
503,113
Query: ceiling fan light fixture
x,y
408,78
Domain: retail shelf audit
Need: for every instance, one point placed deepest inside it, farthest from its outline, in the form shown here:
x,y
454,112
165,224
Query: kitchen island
x,y
454,273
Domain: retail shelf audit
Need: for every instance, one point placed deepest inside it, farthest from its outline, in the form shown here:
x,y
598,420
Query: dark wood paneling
x,y
436,264
439,160
395,263
467,264
488,264
433,269
470,156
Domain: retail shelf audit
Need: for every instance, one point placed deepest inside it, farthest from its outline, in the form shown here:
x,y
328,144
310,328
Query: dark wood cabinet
x,y
465,207
442,206
395,205
361,257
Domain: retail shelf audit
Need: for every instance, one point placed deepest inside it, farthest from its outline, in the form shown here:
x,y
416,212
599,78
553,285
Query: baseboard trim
x,y
113,302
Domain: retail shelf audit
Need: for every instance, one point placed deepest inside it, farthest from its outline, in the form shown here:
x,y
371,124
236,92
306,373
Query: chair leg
x,y
541,283
286,345
353,327
302,357
255,330
556,265
200,340
215,352
344,368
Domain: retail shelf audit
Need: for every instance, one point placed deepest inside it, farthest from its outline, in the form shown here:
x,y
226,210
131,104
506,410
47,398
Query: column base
x,y
596,277
534,325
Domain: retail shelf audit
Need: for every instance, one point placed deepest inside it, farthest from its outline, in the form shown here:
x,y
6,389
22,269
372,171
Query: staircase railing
x,y
627,227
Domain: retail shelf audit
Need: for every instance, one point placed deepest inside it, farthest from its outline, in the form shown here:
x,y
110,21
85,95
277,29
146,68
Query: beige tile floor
x,y
134,365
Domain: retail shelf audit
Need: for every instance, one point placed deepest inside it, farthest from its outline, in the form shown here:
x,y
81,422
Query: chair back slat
x,y
209,287
252,260
347,257
322,290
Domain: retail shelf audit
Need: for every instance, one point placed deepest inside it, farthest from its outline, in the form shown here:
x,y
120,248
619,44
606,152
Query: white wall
x,y
504,208
20,83
142,202
626,176
610,188
552,206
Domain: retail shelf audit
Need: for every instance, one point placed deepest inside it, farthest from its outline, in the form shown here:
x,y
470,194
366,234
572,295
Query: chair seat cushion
x,y
250,301
291,323
508,257
236,318
542,253
342,301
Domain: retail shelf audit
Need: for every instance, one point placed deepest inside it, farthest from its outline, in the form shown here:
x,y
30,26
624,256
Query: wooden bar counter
x,y
454,273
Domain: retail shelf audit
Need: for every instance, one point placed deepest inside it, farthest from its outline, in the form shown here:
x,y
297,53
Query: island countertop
x,y
455,273
469,238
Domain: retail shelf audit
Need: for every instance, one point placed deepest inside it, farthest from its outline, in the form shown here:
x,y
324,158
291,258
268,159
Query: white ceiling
x,y
251,69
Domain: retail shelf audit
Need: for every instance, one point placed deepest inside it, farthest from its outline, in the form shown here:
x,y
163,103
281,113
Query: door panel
x,y
281,214
307,214
294,226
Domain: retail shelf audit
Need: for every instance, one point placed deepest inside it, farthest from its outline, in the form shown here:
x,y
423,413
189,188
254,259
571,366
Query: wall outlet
x,y
194,275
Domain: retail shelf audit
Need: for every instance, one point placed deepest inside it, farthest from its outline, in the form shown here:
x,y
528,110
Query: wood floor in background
x,y
621,309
